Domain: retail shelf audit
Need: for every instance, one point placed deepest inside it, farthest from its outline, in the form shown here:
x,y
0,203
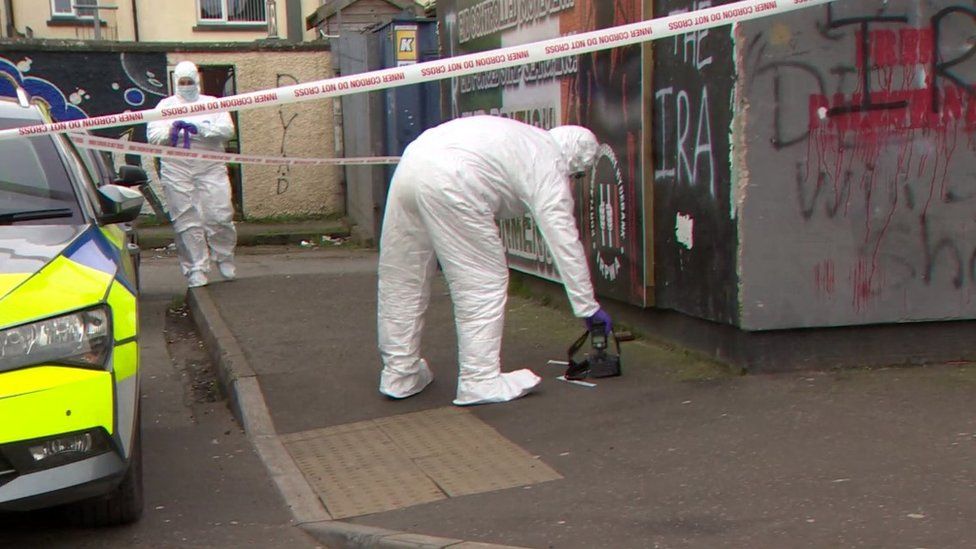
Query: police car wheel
x,y
121,506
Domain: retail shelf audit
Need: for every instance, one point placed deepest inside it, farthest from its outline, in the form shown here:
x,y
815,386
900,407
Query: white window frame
x,y
223,16
73,13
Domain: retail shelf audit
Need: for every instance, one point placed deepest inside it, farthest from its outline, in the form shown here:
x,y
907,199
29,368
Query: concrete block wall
x,y
853,173
816,169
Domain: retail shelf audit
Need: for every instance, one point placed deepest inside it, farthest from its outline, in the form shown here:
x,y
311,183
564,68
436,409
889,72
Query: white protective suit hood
x,y
186,69
578,145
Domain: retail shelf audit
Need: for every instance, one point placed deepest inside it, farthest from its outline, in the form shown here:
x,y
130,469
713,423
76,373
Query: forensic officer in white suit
x,y
451,186
197,191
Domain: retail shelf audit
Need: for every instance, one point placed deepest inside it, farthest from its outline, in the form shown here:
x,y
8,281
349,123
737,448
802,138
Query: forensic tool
x,y
599,362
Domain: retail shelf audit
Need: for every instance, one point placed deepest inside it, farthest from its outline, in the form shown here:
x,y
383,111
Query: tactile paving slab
x,y
360,471
394,462
463,454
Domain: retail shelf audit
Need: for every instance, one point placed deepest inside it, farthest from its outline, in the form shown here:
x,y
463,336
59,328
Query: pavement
x,y
677,452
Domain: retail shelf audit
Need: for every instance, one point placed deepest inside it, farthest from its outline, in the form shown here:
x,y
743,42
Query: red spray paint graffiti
x,y
896,132
823,277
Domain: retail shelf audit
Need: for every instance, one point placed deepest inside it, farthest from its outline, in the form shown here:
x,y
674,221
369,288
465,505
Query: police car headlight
x,y
29,456
77,339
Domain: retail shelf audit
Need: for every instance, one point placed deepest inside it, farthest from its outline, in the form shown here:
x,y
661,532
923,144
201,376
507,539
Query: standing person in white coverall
x,y
451,185
197,191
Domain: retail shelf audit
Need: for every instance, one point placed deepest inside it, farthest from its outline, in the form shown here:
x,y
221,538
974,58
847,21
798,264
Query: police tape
x,y
573,44
114,145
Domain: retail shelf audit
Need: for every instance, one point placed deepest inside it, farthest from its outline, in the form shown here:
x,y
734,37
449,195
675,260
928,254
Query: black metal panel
x,y
695,236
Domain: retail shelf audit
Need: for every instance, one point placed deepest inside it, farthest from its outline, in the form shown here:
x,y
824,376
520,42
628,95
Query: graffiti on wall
x,y
684,126
605,96
69,87
877,121
600,91
694,227
286,116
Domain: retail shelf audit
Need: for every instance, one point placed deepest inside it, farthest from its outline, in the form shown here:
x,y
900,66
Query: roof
x,y
430,7
334,6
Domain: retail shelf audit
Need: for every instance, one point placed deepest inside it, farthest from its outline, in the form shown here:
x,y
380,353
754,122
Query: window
x,y
232,11
33,176
71,8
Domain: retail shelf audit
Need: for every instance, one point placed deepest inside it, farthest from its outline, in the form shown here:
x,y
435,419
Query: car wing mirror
x,y
119,204
131,176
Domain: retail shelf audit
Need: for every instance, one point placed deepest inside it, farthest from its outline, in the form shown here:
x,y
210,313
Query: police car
x,y
69,330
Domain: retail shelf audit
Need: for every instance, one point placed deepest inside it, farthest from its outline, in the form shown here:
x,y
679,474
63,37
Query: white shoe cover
x,y
227,270
196,279
505,387
397,385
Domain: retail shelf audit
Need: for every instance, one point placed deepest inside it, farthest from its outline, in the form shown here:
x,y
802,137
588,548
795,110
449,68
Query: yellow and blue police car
x,y
69,330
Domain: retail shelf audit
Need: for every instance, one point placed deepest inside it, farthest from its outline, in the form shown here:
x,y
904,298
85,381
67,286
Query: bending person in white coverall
x,y
451,185
197,191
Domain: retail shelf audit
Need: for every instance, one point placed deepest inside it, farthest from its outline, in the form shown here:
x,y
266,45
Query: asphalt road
x,y
204,485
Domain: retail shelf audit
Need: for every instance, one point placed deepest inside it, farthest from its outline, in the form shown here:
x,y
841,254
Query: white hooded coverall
x,y
198,191
451,185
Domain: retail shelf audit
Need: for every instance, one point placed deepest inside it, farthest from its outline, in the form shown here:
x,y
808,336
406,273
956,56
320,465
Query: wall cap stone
x,y
7,44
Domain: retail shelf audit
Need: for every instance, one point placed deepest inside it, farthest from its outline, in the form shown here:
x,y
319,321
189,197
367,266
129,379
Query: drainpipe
x,y
272,15
135,19
8,7
295,18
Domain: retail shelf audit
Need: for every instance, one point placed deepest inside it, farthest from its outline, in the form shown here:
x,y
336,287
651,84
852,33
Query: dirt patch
x,y
189,356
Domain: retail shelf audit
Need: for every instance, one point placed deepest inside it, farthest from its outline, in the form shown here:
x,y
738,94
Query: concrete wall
x,y
178,22
37,15
816,169
856,188
301,130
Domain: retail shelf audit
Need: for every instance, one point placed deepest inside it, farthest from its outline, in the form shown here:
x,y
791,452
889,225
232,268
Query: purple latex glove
x,y
181,127
187,130
598,317
174,132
